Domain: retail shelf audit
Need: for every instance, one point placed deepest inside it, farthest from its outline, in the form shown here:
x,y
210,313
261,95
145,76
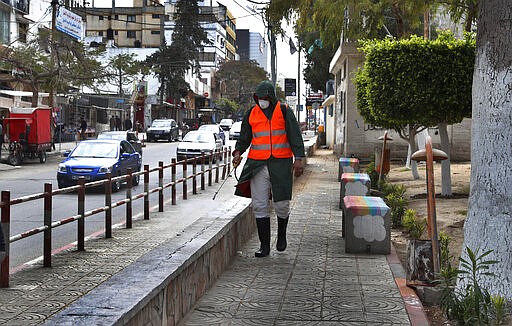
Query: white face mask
x,y
263,104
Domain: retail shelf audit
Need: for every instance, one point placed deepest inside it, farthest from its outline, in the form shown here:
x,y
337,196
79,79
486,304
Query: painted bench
x,y
368,225
347,165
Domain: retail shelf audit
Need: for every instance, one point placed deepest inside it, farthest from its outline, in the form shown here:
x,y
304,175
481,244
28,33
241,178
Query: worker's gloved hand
x,y
298,167
236,158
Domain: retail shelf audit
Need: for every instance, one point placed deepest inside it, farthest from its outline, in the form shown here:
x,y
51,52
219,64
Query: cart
x,y
28,134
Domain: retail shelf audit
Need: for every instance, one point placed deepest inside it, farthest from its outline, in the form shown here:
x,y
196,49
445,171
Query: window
x,y
130,34
155,16
131,18
4,26
116,17
207,56
23,31
100,33
116,32
100,17
155,32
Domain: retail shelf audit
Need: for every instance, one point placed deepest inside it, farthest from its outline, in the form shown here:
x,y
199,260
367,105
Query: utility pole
x,y
51,102
298,82
272,37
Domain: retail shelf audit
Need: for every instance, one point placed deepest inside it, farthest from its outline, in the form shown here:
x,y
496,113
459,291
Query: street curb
x,y
413,304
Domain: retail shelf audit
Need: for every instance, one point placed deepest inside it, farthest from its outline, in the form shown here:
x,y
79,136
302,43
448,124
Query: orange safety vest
x,y
268,136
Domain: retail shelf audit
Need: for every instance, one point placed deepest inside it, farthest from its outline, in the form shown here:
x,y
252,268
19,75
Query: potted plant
x,y
419,267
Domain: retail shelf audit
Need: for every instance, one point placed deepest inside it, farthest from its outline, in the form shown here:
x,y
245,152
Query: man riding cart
x,y
28,134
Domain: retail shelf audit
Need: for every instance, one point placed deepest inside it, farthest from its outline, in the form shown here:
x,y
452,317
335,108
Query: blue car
x,y
92,159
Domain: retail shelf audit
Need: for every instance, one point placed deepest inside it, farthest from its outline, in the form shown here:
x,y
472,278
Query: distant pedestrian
x,y
83,128
118,123
112,122
272,135
127,124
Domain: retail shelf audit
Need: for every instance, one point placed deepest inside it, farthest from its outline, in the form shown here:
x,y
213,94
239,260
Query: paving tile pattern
x,y
313,282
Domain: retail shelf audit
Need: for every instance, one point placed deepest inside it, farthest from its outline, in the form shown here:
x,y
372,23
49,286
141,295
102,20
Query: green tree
x,y
237,80
171,63
416,83
316,72
31,64
229,106
123,69
464,11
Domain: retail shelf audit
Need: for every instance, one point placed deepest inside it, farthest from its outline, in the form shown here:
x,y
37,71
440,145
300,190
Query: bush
x,y
394,196
374,176
414,225
472,305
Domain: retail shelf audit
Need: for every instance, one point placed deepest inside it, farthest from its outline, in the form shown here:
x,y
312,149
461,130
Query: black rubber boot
x,y
282,223
263,225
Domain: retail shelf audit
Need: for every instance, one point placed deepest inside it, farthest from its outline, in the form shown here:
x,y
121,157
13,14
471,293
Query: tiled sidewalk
x,y
314,282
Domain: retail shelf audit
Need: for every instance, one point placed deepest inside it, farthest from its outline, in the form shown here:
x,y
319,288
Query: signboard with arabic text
x,y
69,23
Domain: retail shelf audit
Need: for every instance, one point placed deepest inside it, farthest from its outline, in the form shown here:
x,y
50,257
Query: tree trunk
x,y
489,221
414,148
446,177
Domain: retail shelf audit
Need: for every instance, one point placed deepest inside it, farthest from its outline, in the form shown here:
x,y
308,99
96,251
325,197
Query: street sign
x,y
290,86
68,22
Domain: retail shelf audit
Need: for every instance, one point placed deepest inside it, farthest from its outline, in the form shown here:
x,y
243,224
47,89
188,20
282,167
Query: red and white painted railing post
x,y
173,181
202,170
194,179
185,178
47,243
108,204
161,186
217,165
146,191
81,211
6,228
210,158
225,157
129,211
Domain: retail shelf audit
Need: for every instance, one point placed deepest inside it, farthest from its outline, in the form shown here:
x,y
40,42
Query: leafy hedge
x,y
416,81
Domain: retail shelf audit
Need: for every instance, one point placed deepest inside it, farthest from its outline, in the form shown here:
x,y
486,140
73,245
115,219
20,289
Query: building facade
x,y
252,46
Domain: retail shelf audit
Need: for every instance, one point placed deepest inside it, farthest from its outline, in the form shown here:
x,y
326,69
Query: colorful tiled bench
x,y
354,184
348,165
368,225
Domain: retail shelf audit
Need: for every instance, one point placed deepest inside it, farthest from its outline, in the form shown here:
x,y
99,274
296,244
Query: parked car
x,y
166,129
129,136
216,129
234,132
226,123
197,142
92,159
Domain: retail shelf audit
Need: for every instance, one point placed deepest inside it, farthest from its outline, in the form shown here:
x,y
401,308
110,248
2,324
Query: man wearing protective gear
x,y
276,150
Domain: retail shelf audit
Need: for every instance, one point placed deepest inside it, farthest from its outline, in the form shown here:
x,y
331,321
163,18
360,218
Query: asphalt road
x,y
30,177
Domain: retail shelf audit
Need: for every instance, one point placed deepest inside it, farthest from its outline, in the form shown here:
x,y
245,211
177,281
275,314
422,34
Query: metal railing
x,y
205,172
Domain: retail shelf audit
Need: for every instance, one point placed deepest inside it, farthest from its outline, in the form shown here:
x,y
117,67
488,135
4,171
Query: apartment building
x,y
140,26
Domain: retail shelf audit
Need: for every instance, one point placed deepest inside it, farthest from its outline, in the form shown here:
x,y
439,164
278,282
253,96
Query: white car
x,y
197,142
226,124
234,132
216,129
